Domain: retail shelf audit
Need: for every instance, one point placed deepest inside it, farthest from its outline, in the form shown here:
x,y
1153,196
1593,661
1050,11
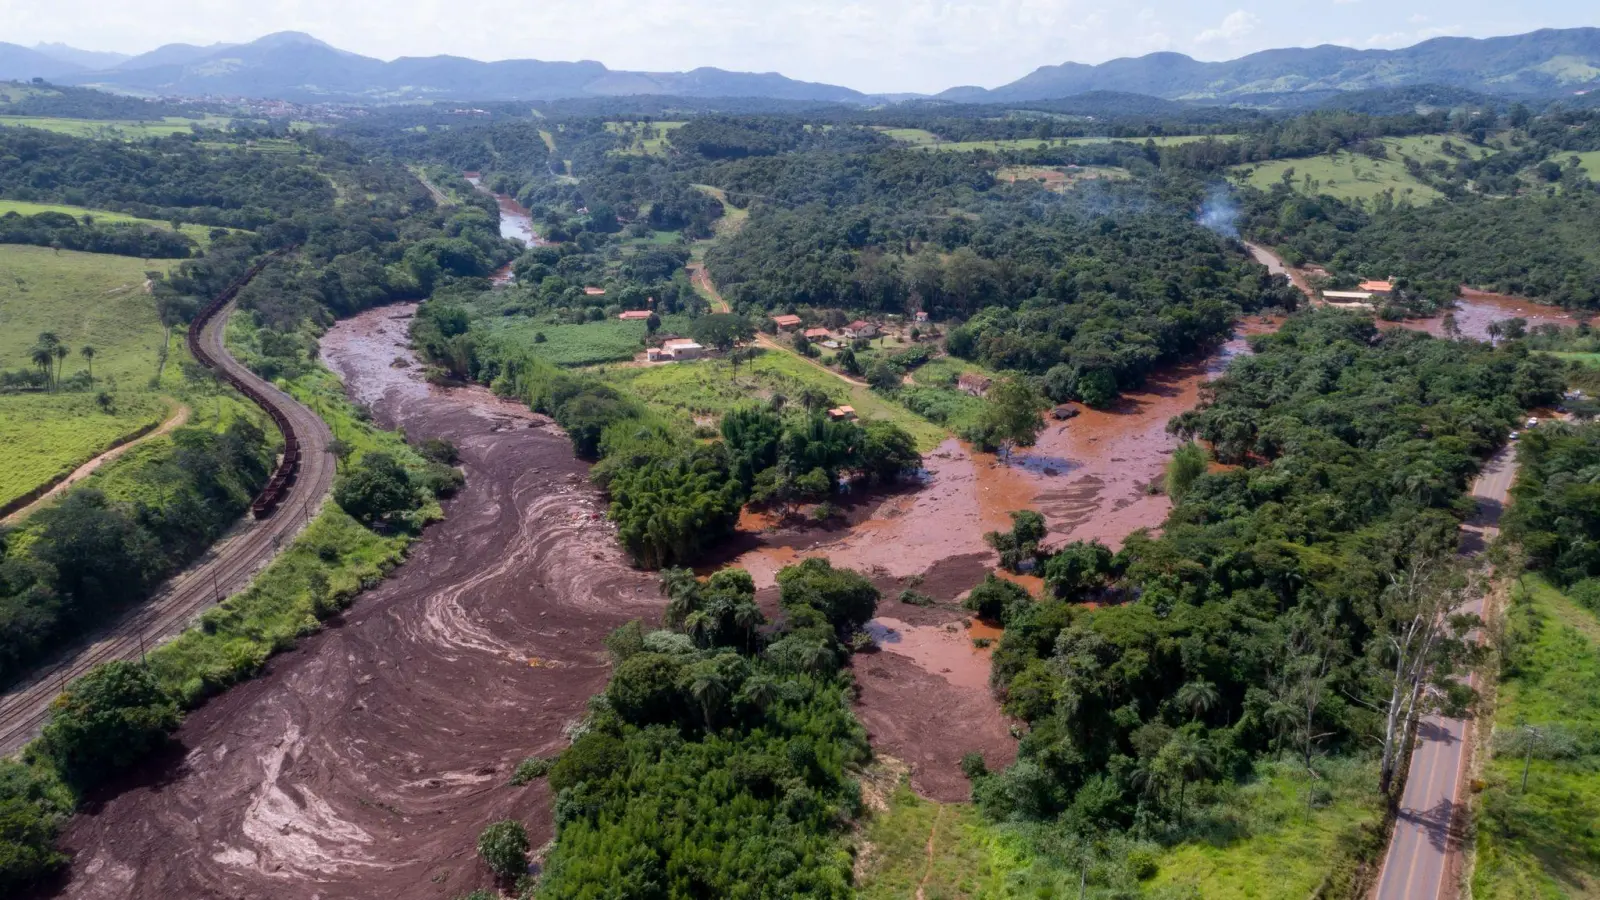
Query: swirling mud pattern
x,y
366,761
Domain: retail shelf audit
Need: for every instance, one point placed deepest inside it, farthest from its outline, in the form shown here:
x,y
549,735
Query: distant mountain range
x,y
296,66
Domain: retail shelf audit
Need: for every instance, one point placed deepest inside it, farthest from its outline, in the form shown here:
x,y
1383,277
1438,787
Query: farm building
x,y
1347,296
594,291
635,315
974,384
842,413
860,329
1383,288
818,334
921,316
682,349
786,323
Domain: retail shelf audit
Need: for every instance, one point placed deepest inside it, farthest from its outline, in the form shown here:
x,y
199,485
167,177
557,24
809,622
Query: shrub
x,y
504,847
973,765
376,490
996,599
916,598
531,768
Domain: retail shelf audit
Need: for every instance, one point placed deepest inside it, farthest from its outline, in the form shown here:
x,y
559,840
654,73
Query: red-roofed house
x,y
635,315
818,334
786,323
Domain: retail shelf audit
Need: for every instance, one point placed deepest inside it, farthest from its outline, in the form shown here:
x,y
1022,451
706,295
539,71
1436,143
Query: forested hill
x,y
1550,60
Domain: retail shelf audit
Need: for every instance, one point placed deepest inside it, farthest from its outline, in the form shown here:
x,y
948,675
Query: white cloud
x,y
1237,24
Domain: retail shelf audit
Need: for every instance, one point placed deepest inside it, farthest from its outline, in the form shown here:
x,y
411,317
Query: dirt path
x,y
178,418
365,762
700,278
225,569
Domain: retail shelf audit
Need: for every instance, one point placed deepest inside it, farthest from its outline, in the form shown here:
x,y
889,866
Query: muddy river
x,y
516,224
365,762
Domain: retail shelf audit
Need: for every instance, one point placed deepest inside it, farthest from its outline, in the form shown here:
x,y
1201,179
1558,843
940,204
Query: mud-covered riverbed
x,y
365,762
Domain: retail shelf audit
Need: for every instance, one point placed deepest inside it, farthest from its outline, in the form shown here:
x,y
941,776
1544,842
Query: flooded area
x,y
366,761
1476,309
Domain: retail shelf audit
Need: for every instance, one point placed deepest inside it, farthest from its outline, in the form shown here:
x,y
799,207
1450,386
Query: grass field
x,y
1261,844
85,299
1545,841
201,233
1354,176
654,145
733,218
43,436
1060,178
112,129
706,389
1589,161
591,343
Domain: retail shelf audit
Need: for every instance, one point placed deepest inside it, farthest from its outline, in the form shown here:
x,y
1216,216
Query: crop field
x,y
705,389
43,436
113,129
1542,841
201,233
647,139
1258,842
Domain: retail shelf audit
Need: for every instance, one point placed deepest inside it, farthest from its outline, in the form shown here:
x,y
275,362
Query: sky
x,y
870,45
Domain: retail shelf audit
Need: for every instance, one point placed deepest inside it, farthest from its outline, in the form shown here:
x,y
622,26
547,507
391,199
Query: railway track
x,y
299,484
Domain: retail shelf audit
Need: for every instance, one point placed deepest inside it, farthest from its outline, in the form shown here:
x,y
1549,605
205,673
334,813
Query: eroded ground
x,y
365,762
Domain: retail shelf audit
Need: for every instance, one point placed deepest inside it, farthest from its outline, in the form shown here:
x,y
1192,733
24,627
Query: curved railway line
x,y
292,496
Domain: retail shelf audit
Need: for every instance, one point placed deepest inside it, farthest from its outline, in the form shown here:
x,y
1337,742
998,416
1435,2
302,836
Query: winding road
x,y
225,569
1427,839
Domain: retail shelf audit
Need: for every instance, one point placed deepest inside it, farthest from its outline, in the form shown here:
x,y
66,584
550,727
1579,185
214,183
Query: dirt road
x,y
225,569
1426,835
365,762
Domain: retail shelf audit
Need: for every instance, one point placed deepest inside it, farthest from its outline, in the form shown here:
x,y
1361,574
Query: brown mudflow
x,y
365,762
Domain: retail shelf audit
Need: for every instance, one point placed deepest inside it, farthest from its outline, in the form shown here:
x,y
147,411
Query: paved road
x,y
225,569
1418,866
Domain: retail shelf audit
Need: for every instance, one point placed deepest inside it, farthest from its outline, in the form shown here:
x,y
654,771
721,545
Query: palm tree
x,y
88,353
1198,697
42,357
710,688
759,691
62,351
1495,329
1188,756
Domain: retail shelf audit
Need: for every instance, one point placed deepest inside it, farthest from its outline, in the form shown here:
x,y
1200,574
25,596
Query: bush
x,y
845,598
996,599
916,598
108,720
378,489
973,765
531,768
504,847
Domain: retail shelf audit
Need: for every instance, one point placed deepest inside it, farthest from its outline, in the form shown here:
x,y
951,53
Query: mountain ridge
x,y
297,66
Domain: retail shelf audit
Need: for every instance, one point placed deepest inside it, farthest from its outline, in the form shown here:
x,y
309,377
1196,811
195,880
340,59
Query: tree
x,y
504,848
996,599
1012,416
1197,697
846,599
88,353
883,376
377,489
1188,463
652,324
1187,757
107,720
1419,645
43,356
1021,544
722,330
61,352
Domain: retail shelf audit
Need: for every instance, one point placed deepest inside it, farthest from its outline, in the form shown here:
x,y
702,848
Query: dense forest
x,y
1556,514
1259,622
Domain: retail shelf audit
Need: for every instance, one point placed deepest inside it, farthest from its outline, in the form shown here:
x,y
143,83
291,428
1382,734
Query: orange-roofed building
x,y
1378,287
635,315
595,291
785,323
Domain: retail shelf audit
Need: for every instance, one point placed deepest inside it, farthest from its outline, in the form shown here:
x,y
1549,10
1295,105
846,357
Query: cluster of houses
x,y
1369,290
860,328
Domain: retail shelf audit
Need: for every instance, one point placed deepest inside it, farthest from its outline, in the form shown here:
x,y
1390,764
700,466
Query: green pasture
x,y
655,144
201,233
115,129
